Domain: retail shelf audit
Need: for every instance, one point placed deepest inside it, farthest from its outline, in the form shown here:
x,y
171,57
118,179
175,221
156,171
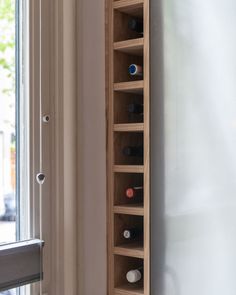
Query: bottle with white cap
x,y
134,275
131,233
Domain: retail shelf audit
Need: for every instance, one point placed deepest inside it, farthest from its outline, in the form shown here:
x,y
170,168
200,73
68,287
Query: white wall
x,y
199,161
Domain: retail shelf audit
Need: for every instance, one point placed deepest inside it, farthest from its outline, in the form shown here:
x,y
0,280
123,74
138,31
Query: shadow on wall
x,y
158,269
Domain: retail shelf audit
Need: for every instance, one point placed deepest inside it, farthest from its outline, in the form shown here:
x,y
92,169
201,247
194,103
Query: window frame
x,y
57,86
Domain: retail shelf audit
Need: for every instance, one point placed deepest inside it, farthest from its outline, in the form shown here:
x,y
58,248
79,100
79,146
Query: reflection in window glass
x,y
9,292
14,130
14,147
7,122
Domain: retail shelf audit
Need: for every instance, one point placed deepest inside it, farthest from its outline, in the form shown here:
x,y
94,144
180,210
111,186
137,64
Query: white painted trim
x,y
91,137
65,221
59,192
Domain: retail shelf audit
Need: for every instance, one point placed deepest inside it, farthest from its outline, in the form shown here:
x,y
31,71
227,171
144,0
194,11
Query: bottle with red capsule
x,y
132,192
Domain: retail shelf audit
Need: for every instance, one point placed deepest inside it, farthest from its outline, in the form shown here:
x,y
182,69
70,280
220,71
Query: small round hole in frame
x,y
46,118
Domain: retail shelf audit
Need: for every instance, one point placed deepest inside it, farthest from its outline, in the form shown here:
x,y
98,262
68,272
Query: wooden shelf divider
x,y
123,47
133,46
129,290
127,6
128,168
131,250
132,209
131,127
130,87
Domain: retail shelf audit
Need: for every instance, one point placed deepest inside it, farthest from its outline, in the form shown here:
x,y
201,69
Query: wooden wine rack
x,y
124,47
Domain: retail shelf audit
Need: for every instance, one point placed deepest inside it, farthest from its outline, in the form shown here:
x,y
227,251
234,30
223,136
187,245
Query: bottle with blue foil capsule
x,y
135,70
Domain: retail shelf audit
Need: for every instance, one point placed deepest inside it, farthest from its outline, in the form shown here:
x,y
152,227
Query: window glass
x,y
14,127
7,121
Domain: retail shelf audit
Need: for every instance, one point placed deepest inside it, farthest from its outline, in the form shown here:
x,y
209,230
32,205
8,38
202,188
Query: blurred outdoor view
x,y
7,122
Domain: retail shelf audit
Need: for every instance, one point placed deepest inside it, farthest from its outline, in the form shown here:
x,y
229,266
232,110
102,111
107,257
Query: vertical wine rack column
x,y
127,43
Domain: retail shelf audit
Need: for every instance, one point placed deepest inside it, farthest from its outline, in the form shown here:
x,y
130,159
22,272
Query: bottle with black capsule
x,y
135,108
136,25
133,151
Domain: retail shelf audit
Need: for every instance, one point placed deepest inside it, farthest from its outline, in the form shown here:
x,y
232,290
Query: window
x,y
16,222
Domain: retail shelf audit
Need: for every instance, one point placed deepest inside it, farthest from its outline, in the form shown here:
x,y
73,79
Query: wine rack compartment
x,y
128,229
124,29
123,62
128,189
128,108
128,148
123,265
127,60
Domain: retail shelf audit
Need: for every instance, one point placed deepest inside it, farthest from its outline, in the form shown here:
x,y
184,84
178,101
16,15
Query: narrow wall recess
x,y
128,163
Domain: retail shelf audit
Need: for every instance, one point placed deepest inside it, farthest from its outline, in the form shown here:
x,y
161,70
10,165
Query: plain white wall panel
x,y
193,147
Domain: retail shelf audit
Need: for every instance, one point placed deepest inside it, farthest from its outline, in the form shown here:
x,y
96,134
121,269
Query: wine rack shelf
x,y
129,168
132,7
129,290
127,44
130,87
132,209
131,250
135,127
134,47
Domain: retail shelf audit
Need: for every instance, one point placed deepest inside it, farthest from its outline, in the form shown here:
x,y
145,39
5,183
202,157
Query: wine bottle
x,y
134,275
131,233
135,108
133,151
136,25
132,192
135,70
